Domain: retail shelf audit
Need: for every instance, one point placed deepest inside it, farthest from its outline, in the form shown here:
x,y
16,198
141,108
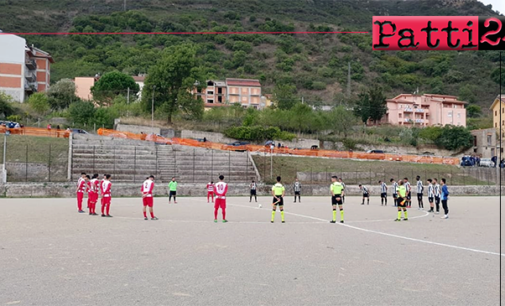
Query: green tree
x,y
113,84
473,111
341,120
284,96
362,107
81,113
378,106
172,79
466,93
454,137
495,76
62,94
6,108
39,103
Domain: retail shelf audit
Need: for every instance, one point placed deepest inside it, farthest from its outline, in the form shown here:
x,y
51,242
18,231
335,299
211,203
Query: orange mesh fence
x,y
298,152
30,131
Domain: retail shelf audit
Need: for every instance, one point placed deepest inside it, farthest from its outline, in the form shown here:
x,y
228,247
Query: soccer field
x,y
51,255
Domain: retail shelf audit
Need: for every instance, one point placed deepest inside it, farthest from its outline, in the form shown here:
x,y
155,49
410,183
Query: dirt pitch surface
x,y
52,255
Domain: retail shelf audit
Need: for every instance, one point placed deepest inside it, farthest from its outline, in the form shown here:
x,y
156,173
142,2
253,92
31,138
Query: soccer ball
x,y
259,205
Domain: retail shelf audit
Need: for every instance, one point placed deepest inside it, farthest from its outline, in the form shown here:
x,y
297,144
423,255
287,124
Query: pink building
x,y
245,92
425,110
83,87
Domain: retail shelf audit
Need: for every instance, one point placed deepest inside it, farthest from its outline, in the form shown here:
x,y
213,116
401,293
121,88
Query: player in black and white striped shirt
x,y
384,193
395,191
365,194
431,194
420,189
408,189
436,188
343,196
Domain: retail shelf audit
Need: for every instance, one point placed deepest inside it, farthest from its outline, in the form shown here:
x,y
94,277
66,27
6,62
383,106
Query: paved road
x,y
51,255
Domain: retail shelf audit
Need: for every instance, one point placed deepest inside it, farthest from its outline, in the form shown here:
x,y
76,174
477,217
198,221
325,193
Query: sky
x,y
498,5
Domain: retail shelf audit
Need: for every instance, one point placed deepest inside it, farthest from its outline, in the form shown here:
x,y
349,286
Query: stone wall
x,y
213,137
36,172
132,190
137,129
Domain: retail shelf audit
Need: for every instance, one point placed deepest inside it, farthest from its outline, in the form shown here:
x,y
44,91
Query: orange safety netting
x,y
299,152
31,131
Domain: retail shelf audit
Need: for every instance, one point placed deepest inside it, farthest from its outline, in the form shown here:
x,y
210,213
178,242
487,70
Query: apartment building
x,y
425,110
24,69
245,92
495,108
83,87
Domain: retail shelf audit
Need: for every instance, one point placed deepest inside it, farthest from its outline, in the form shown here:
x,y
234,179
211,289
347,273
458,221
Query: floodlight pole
x,y
152,108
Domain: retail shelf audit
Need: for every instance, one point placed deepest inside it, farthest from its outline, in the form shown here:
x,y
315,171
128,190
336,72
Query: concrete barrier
x,y
53,190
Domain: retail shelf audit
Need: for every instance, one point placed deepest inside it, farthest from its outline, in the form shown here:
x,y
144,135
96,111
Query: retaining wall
x,y
22,190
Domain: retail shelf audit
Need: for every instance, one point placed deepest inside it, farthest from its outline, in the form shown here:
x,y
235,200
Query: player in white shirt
x,y
147,197
431,195
395,191
420,189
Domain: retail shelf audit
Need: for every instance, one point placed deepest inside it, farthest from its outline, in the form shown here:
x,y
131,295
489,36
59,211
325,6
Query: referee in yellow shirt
x,y
278,191
337,192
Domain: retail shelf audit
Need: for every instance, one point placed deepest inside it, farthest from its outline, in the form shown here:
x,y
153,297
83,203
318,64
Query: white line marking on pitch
x,y
392,235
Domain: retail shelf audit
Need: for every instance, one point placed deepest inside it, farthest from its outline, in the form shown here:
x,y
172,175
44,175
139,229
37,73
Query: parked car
x,y
486,162
467,161
375,151
78,131
238,143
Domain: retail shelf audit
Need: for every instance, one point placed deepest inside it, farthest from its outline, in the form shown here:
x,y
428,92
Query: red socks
x,y
224,213
108,208
152,215
145,214
215,213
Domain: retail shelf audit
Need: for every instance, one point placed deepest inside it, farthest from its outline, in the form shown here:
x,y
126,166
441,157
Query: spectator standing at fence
x,y
210,191
93,194
221,190
343,185
336,190
81,188
384,193
445,197
366,194
49,127
252,192
172,187
431,195
394,186
297,188
106,187
402,201
406,183
419,189
278,192
147,197
436,190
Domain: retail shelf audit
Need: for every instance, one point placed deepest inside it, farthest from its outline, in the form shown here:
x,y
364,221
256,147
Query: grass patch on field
x,y
34,149
355,171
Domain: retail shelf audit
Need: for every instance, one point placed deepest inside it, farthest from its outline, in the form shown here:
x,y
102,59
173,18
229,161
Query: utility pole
x,y
152,108
349,80
128,96
124,5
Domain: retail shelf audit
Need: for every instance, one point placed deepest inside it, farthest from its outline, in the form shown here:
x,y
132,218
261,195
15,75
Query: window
x,y
503,110
449,114
474,141
219,90
220,99
489,138
210,101
210,92
399,115
495,113
459,115
495,125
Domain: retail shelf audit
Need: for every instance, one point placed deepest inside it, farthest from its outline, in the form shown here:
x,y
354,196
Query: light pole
x,y
4,174
152,108
271,162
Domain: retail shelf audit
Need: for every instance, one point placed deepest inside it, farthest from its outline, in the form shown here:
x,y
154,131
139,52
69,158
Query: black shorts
x,y
253,192
430,199
408,197
401,202
395,196
437,200
336,200
419,196
297,192
280,199
173,193
384,195
365,195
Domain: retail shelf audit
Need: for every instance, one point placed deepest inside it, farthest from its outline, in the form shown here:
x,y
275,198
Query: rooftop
x,y
243,82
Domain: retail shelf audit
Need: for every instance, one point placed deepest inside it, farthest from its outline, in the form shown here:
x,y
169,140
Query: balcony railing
x,y
31,63
30,76
408,109
31,87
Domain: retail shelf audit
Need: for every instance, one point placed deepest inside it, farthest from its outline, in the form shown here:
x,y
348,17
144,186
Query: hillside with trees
x,y
314,66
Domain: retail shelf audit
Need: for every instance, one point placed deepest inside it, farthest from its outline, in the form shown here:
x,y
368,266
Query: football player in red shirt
x,y
147,197
221,190
210,191
106,195
81,188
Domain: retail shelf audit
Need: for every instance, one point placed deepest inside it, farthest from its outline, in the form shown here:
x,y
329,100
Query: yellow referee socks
x,y
282,215
273,215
